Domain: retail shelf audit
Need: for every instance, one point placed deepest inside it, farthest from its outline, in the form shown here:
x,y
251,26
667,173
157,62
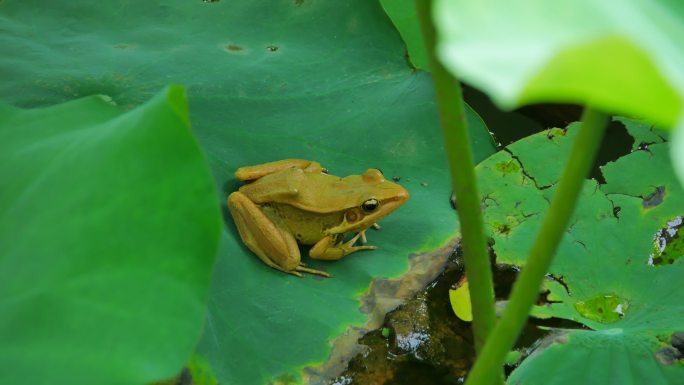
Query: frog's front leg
x,y
331,249
363,233
275,246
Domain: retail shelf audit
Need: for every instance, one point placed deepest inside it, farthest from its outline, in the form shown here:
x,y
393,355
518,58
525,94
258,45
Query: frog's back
x,y
281,186
309,191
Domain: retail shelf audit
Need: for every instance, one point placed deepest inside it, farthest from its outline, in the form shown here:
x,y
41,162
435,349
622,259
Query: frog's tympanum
x,y
295,201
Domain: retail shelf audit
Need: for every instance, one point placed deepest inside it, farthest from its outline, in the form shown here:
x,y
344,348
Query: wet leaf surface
x,y
326,81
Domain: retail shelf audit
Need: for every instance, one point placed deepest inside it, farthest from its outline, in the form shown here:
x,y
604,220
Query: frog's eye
x,y
370,205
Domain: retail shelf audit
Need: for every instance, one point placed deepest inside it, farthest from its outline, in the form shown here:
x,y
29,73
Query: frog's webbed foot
x,y
328,249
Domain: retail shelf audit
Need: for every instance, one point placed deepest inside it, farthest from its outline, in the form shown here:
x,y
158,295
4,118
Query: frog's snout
x,y
403,194
399,196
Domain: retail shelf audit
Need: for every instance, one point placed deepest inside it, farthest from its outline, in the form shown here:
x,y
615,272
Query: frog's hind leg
x,y
275,247
255,172
262,236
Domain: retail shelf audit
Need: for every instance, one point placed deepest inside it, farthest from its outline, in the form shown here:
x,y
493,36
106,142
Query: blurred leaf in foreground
x,y
109,225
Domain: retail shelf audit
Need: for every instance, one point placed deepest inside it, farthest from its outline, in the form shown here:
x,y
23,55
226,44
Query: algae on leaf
x,y
601,275
109,227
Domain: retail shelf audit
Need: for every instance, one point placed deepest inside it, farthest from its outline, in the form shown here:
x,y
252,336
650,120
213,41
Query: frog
x,y
292,202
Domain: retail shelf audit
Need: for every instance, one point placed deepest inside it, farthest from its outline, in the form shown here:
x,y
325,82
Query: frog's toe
x,y
312,271
358,235
360,248
300,275
363,237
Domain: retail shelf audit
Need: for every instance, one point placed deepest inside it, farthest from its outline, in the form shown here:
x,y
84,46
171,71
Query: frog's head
x,y
371,199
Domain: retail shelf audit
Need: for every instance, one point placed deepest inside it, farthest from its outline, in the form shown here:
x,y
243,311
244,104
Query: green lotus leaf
x,y
606,273
109,227
619,56
605,356
326,81
405,18
644,133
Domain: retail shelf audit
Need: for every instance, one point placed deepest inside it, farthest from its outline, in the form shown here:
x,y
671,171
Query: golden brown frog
x,y
295,201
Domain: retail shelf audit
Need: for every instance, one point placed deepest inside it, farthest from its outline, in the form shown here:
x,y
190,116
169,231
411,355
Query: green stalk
x,y
462,166
526,288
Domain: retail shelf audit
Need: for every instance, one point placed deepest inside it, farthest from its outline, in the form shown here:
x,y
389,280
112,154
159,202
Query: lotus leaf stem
x,y
526,288
462,165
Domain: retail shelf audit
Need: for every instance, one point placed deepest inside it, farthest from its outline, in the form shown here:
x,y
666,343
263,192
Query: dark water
x,y
423,342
